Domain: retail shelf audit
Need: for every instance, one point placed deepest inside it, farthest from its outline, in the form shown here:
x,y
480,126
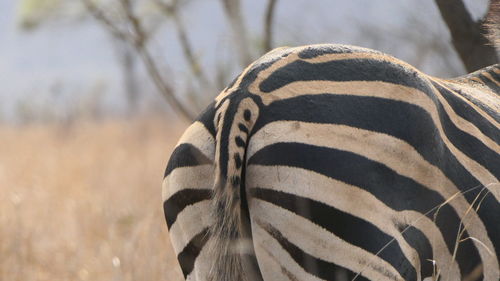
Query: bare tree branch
x,y
467,35
140,39
232,9
137,37
124,52
99,15
128,60
172,10
165,88
268,25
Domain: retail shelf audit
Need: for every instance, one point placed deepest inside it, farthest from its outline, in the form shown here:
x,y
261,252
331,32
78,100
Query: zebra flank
x,y
335,162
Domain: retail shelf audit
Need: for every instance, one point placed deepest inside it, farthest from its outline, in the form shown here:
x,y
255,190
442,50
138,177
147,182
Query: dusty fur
x,y
492,23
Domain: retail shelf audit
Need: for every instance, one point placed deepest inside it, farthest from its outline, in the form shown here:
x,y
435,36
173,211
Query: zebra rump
x,y
335,162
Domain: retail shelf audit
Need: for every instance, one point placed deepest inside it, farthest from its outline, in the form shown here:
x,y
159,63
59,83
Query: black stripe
x,y
224,136
483,105
407,122
247,115
237,160
465,111
495,76
375,70
404,121
347,227
243,128
224,140
186,155
231,84
239,141
343,70
470,145
188,255
288,274
421,244
396,191
207,118
309,263
181,199
490,84
250,77
315,51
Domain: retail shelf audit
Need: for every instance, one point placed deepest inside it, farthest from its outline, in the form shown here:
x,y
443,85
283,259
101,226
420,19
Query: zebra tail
x,y
234,124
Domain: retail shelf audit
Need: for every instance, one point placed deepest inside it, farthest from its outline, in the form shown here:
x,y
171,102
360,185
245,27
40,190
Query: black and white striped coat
x,y
334,162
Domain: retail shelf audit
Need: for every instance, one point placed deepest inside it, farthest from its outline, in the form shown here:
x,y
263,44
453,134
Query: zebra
x,y
325,161
337,162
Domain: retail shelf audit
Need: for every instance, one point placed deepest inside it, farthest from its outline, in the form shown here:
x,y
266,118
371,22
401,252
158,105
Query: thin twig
x,y
137,37
233,13
140,46
164,88
99,15
268,25
435,208
172,10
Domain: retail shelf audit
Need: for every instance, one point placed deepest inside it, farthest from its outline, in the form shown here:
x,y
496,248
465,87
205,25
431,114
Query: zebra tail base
x,y
227,245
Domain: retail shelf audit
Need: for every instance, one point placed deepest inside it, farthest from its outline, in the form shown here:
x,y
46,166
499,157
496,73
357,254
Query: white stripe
x,y
392,152
317,242
190,221
198,177
381,90
359,203
201,265
395,92
272,257
482,95
200,137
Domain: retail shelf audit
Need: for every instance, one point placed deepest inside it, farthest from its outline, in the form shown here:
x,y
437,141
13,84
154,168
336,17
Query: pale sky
x,y
77,56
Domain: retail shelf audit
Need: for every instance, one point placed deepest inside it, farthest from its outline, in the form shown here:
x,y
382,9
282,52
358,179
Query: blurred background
x,y
95,93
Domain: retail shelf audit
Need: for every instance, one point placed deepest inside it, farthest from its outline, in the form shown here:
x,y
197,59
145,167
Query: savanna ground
x,y
83,202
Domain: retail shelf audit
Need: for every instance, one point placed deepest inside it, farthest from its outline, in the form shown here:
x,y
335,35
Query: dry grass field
x,y
84,202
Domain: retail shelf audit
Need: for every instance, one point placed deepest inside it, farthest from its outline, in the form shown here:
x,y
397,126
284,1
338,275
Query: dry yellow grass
x,y
84,203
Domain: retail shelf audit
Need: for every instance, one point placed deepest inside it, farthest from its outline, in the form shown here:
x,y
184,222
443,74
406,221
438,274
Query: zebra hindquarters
x,y
335,202
187,190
